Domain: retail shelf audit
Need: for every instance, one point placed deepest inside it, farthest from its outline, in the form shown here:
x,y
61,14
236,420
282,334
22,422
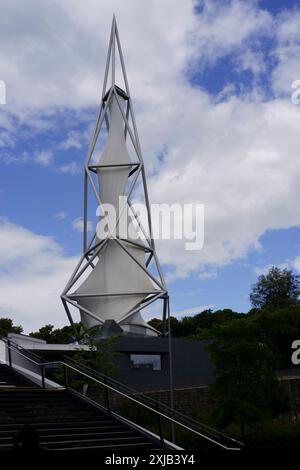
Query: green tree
x,y
65,334
199,324
62,335
45,333
100,354
157,323
99,357
246,388
278,329
7,326
280,288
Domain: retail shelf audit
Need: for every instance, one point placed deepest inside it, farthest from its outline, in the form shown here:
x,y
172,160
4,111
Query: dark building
x,y
144,363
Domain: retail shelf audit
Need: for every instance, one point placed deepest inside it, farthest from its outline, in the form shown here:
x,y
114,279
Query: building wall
x,y
293,386
196,401
186,400
191,365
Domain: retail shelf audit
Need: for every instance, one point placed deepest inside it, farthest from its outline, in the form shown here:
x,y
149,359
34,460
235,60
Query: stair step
x,y
35,404
67,425
63,435
104,441
55,420
88,437
37,392
76,438
62,420
107,428
26,411
143,445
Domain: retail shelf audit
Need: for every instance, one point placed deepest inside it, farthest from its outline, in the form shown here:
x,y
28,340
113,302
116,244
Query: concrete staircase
x,y
62,421
10,379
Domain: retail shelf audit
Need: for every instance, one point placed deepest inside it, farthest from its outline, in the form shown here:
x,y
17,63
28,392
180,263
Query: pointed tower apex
x,y
115,73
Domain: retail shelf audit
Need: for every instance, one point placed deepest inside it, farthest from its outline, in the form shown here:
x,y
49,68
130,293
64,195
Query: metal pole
x,y
85,212
107,395
113,53
160,429
9,353
171,370
164,322
107,61
65,376
43,375
76,333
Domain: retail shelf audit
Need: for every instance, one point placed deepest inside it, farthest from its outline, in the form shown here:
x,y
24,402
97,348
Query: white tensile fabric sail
x,y
112,181
115,272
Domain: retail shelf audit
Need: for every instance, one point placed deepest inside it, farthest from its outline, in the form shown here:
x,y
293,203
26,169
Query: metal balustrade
x,y
33,364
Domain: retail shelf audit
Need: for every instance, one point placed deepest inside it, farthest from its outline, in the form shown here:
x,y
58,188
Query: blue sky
x,y
220,76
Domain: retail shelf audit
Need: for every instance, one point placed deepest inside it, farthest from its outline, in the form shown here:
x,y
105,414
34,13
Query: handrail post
x,y
43,375
9,353
65,375
160,428
107,395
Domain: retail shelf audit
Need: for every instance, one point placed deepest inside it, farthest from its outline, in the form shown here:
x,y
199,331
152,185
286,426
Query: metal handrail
x,y
17,346
157,412
155,403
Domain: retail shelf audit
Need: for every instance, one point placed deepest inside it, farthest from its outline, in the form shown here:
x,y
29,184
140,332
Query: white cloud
x,y
287,52
237,155
44,157
208,275
288,264
226,28
6,139
191,311
240,160
78,225
62,58
33,272
60,215
265,269
71,168
14,158
253,61
73,140
296,264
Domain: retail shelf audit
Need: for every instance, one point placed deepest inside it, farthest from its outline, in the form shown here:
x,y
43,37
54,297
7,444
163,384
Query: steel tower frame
x,y
92,248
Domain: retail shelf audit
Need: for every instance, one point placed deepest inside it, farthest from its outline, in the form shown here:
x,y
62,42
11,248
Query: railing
x,y
24,361
165,410
72,374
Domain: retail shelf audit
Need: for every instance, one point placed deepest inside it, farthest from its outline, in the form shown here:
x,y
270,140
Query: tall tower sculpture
x,y
117,276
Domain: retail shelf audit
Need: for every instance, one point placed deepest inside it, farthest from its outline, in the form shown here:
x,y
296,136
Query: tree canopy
x,y
246,387
279,288
53,335
7,326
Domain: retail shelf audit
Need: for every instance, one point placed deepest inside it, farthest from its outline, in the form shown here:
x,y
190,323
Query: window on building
x,y
145,361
